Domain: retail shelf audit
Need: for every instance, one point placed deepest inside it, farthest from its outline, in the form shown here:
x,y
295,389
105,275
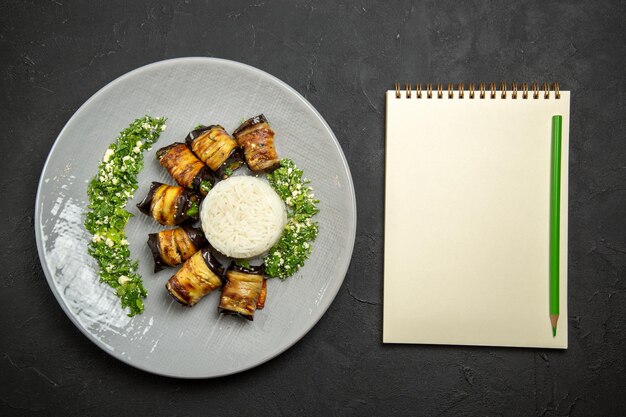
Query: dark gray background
x,y
342,57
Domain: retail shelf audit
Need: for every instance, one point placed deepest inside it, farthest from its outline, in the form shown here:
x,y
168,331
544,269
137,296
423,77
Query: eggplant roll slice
x,y
256,138
170,205
185,167
215,147
242,291
172,247
198,276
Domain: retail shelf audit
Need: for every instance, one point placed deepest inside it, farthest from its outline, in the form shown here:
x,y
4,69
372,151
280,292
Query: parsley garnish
x,y
293,248
242,263
205,186
109,191
193,210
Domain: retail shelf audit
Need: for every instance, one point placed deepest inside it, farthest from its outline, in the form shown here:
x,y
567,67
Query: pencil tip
x,y
553,319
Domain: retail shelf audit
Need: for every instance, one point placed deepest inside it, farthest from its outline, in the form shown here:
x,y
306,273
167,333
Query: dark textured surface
x,y
342,57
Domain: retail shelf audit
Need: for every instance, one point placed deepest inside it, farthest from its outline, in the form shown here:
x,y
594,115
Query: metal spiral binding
x,y
557,91
482,90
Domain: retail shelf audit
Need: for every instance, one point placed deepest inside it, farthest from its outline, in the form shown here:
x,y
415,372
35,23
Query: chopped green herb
x,y
205,186
294,247
242,263
193,210
198,127
228,171
109,191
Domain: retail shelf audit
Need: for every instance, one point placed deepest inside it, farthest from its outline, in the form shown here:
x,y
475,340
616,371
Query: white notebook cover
x,y
467,206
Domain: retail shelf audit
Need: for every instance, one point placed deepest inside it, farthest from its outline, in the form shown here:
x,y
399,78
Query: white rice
x,y
243,217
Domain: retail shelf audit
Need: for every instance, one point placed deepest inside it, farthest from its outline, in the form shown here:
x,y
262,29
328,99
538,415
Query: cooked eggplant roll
x,y
174,246
170,204
215,147
242,292
198,276
256,138
185,167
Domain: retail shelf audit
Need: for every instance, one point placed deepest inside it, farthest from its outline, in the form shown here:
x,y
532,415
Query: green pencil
x,y
555,214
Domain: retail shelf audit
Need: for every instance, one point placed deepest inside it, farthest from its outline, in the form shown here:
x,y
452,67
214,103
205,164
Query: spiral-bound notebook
x,y
467,215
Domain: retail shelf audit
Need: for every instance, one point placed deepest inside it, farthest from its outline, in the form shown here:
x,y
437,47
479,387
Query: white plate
x,y
169,339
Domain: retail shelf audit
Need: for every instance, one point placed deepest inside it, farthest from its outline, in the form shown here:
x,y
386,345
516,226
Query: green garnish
x,y
109,191
228,171
288,255
193,210
205,186
198,127
242,263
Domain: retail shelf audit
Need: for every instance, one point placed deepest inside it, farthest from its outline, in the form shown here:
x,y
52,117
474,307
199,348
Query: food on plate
x,y
256,138
198,276
216,148
242,292
264,216
294,247
109,191
172,247
170,205
185,167
243,217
